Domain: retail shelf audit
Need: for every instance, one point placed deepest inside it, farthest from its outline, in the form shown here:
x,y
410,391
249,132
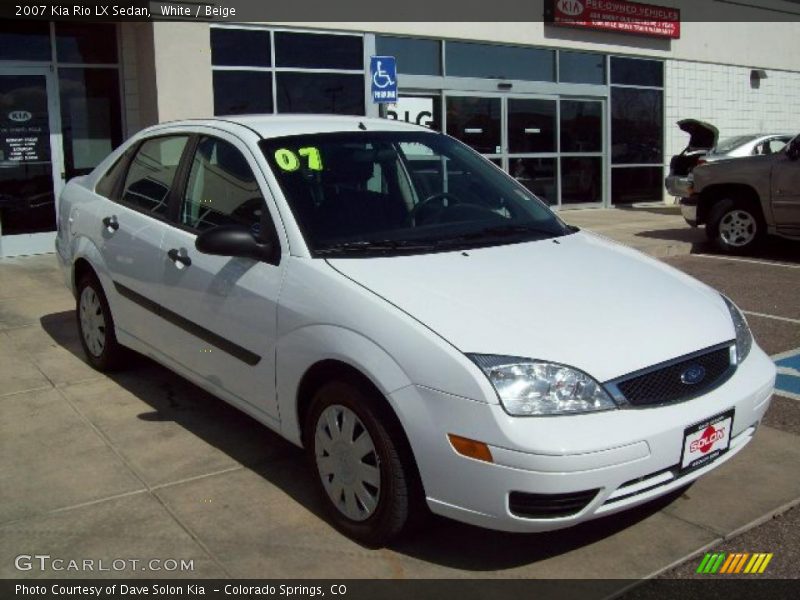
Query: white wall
x,y
722,95
183,70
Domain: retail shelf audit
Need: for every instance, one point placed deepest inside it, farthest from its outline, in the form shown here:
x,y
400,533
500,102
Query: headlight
x,y
532,387
744,338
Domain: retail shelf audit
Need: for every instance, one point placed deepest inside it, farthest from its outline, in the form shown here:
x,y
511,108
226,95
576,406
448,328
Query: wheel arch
x,y
327,370
88,259
721,191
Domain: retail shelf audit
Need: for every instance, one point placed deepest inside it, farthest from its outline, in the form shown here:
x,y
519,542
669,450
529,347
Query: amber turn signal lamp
x,y
470,448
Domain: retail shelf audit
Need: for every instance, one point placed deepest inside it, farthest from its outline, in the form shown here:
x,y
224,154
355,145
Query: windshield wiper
x,y
496,231
367,246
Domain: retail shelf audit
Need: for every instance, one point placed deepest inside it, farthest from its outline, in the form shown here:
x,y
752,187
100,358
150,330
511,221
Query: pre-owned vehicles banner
x,y
616,15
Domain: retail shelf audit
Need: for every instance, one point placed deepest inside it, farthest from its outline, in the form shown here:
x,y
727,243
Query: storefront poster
x,y
619,16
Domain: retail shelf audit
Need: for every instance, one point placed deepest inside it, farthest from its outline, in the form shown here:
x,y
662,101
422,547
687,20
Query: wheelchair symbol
x,y
381,78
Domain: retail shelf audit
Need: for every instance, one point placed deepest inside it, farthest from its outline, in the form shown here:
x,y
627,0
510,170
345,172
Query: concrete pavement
x,y
144,465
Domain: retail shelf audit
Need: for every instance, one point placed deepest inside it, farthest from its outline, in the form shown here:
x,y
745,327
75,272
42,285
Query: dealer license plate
x,y
704,442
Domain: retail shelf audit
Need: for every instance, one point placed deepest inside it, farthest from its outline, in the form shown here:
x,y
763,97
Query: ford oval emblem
x,y
571,8
693,375
20,116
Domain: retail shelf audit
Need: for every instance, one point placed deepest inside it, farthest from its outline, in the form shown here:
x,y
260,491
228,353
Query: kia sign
x,y
20,116
619,16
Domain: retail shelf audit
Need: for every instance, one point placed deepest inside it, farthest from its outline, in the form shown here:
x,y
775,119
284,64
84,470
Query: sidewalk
x,y
659,231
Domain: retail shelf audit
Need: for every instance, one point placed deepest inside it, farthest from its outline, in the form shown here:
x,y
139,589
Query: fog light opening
x,y
470,448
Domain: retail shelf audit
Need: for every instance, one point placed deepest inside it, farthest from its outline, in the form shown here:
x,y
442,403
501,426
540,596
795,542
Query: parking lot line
x,y
776,317
748,260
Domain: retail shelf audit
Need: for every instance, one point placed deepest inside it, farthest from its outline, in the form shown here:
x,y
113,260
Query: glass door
x,y
553,146
532,131
476,121
30,161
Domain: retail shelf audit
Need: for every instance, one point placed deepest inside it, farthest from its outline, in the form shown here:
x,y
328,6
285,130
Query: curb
x,y
713,544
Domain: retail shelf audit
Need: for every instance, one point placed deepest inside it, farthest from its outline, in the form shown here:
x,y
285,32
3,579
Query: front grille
x,y
549,506
665,385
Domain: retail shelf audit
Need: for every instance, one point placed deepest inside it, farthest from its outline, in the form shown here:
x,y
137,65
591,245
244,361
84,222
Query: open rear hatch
x,y
702,138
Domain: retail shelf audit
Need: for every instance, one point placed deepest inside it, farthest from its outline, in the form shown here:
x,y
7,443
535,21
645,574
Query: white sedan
x,y
426,328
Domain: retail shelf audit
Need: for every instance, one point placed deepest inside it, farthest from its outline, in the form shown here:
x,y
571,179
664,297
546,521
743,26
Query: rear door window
x,y
152,173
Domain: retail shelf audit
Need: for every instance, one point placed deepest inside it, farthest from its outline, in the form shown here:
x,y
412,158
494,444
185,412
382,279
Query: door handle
x,y
111,223
176,257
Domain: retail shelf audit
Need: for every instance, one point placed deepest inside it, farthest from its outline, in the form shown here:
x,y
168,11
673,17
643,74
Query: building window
x,y
240,48
414,56
24,40
333,93
309,72
94,43
318,51
635,71
467,59
581,67
637,130
242,92
91,122
640,184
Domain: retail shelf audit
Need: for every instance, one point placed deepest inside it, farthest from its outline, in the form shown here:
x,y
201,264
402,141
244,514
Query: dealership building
x,y
581,113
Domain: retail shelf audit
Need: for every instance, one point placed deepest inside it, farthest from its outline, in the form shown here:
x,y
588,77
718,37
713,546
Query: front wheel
x,y
735,226
359,466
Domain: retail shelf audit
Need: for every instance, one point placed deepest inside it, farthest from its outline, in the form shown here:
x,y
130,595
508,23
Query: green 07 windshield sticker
x,y
287,160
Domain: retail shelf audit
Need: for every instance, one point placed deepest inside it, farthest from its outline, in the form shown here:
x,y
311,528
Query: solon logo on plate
x,y
20,116
570,7
710,436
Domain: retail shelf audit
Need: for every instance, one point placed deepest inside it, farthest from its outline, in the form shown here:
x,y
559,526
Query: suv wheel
x,y
734,226
96,326
359,467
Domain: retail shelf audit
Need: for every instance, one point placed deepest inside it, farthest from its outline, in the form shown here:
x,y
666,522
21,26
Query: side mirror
x,y
793,149
235,240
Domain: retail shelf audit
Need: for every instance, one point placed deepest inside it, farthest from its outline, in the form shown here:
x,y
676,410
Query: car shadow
x,y
438,540
771,248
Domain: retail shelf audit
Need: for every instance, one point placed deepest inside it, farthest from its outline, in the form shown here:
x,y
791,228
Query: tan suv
x,y
743,199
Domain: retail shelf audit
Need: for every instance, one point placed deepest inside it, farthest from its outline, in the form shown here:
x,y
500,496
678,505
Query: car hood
x,y
701,135
579,300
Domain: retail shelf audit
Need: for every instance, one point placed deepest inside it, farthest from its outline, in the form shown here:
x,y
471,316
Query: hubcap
x,y
93,322
347,462
737,228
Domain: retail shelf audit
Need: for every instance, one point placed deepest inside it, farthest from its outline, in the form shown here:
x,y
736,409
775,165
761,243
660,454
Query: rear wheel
x,y
360,469
96,326
735,226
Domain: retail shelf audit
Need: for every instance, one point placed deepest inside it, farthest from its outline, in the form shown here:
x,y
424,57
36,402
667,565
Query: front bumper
x,y
629,456
689,210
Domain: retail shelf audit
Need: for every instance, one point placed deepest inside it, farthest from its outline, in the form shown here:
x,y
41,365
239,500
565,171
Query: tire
x,y
367,484
96,326
735,226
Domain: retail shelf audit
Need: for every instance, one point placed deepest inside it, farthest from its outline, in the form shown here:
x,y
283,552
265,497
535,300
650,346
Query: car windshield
x,y
730,144
367,193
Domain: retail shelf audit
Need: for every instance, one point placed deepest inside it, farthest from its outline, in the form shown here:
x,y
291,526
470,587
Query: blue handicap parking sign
x,y
383,70
788,381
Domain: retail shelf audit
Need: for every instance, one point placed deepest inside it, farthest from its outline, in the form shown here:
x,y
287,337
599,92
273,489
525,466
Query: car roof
x,y
269,126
